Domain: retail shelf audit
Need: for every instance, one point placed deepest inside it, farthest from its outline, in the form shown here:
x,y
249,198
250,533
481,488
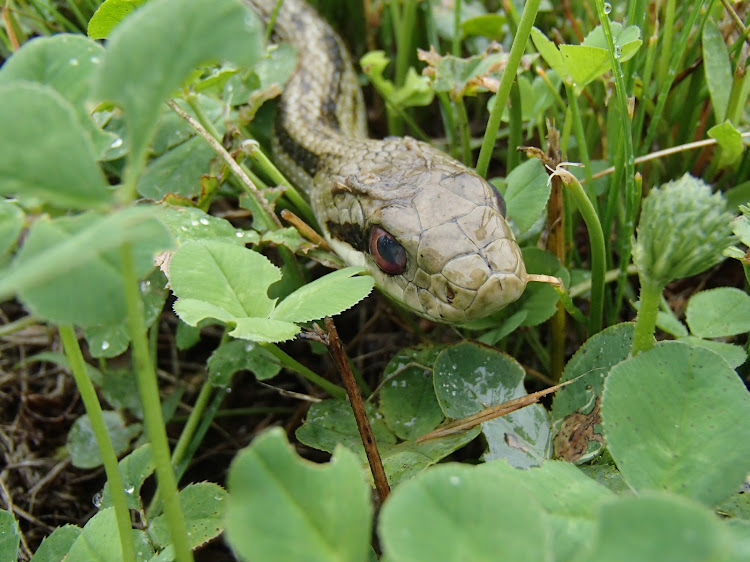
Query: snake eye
x,y
388,254
500,200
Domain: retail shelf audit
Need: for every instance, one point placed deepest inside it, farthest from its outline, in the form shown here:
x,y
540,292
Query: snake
x,y
431,231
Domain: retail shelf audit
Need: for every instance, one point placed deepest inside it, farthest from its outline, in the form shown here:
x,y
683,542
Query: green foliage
x,y
730,143
498,518
204,506
35,115
108,15
210,281
140,75
98,536
718,68
719,313
414,92
526,191
9,536
671,437
579,65
98,177
55,546
327,508
468,378
83,447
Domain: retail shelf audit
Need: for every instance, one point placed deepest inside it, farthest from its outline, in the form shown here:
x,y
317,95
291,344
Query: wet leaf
x,y
469,378
457,513
675,418
275,495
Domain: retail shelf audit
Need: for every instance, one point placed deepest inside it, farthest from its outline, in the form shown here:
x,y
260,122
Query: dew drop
x,y
454,480
117,143
130,489
618,51
73,62
204,221
97,500
607,7
94,60
239,234
105,345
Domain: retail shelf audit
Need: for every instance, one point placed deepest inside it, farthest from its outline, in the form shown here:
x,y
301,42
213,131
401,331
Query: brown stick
x,y
556,246
457,426
358,407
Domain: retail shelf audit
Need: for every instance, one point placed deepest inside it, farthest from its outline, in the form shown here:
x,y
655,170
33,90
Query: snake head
x,y
430,231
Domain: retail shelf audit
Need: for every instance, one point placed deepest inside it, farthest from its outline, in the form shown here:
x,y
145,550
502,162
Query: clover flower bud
x,y
683,230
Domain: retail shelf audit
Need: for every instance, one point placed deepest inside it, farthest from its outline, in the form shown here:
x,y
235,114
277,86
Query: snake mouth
x,y
442,301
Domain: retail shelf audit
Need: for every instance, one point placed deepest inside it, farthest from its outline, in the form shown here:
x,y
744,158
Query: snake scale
x,y
430,230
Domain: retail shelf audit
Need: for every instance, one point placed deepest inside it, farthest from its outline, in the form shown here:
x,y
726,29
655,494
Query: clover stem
x,y
645,323
598,251
148,390
103,441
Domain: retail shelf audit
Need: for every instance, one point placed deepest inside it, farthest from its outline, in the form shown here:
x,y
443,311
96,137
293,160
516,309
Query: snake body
x,y
430,230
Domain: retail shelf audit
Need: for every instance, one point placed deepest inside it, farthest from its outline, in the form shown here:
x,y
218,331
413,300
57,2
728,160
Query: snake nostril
x,y
449,295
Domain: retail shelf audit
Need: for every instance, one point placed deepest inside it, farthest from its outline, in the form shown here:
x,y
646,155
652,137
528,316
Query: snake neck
x,y
321,113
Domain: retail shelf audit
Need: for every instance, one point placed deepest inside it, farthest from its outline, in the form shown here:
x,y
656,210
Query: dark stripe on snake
x,y
308,160
350,233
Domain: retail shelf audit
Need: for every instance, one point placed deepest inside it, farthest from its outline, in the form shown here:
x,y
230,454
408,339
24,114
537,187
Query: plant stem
x,y
598,253
405,36
188,430
625,155
297,367
253,150
336,349
107,451
18,325
200,432
463,131
583,151
148,390
516,125
503,91
221,151
645,322
456,44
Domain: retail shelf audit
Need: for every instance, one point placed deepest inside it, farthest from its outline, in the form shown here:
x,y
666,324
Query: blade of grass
x,y
671,72
446,109
583,151
625,155
503,91
456,43
463,131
